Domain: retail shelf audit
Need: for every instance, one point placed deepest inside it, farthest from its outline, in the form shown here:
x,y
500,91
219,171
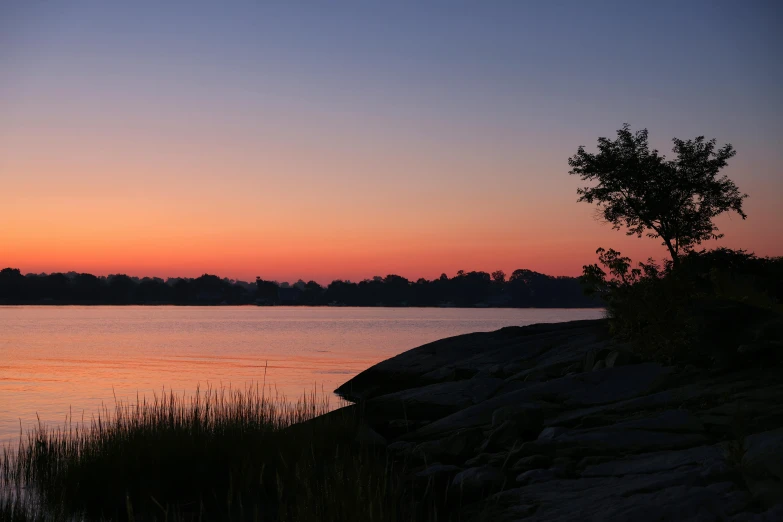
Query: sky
x,y
352,139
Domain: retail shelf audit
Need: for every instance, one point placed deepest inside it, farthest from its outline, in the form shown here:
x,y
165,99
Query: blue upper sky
x,y
462,97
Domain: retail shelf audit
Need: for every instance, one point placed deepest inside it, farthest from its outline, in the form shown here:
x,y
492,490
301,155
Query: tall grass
x,y
220,454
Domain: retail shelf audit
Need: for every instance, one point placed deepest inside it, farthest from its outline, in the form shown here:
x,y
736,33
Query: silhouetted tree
x,y
210,289
521,287
312,293
12,284
57,286
266,290
341,292
182,290
675,200
87,288
396,290
121,288
471,288
369,292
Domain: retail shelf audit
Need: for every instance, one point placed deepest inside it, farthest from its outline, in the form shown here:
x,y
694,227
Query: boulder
x,y
491,371
551,433
484,459
466,355
527,420
652,401
669,495
559,357
564,464
669,420
503,437
584,389
479,415
402,424
625,440
774,514
768,492
456,447
473,482
532,462
537,475
592,460
513,412
607,386
528,449
449,373
764,455
629,442
672,429
432,401
647,463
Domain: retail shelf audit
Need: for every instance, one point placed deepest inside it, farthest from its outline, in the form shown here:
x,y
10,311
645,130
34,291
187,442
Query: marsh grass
x,y
219,454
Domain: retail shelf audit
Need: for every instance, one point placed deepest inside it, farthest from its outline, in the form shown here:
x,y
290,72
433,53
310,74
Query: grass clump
x,y
216,455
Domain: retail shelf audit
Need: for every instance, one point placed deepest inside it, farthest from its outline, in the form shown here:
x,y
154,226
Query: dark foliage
x,y
715,307
524,288
674,200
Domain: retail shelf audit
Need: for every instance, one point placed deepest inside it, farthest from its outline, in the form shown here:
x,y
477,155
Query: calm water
x,y
56,358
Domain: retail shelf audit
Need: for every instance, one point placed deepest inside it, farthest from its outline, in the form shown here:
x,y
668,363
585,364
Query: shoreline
x,y
300,306
524,417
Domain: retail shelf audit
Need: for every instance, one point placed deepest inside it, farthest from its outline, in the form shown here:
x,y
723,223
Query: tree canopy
x,y
675,200
524,289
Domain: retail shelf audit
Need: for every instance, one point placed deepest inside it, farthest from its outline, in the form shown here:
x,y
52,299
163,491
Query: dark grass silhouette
x,y
217,455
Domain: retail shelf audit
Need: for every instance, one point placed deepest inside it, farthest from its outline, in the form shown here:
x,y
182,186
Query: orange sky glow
x,y
237,149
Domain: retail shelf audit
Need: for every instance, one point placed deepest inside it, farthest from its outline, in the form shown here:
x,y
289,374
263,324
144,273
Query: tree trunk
x,y
672,251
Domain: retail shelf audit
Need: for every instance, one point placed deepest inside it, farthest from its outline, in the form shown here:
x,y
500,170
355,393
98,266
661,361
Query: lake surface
x,y
59,358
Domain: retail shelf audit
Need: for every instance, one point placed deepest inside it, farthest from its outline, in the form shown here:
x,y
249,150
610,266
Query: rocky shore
x,y
560,422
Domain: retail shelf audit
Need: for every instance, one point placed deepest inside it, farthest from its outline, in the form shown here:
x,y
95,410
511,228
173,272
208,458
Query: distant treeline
x,y
524,288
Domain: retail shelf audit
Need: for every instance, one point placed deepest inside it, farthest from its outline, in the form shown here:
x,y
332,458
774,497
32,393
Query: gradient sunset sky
x,y
362,138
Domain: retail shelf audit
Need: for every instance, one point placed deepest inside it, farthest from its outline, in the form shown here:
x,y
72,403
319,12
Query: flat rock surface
x,y
467,354
657,462
434,400
556,422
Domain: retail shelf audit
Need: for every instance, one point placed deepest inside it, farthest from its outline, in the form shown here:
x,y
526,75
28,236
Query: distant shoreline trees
x,y
523,289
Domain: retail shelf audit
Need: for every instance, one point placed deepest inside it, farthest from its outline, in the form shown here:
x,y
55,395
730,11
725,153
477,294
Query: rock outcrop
x,y
559,422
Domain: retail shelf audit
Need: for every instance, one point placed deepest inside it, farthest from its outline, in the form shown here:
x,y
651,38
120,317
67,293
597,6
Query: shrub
x,y
698,312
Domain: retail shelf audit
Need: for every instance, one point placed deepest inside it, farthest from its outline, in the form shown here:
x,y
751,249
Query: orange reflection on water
x,y
61,360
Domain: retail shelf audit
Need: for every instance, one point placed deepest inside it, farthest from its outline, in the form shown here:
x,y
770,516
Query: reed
x,y
218,454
